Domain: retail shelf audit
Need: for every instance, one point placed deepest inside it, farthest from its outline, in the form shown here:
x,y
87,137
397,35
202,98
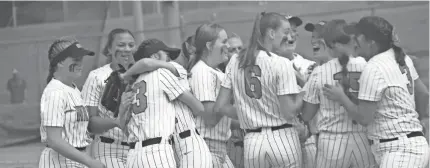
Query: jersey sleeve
x,y
91,90
227,82
413,71
181,70
203,85
287,82
372,84
52,109
311,88
170,84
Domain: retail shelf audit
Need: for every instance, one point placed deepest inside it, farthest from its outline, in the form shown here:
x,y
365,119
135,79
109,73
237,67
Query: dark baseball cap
x,y
295,20
73,51
152,46
310,27
373,27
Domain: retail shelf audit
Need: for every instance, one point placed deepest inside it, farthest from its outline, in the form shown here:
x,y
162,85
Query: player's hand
x,y
334,93
96,164
311,68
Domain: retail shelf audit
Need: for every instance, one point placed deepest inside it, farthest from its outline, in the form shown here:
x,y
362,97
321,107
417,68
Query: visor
x,y
310,27
154,47
73,51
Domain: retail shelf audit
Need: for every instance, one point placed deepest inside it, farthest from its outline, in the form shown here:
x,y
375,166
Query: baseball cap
x,y
310,27
295,20
73,51
152,46
373,27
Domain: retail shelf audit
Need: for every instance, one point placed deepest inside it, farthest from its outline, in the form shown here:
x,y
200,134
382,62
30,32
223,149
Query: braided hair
x,y
54,50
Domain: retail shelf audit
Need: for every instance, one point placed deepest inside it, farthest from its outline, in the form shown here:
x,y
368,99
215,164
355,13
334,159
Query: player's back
x,y
392,87
257,100
153,113
332,117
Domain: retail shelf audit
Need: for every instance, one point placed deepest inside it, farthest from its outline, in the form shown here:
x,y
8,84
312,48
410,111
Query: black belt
x,y
410,135
239,143
148,142
273,128
110,141
186,134
78,148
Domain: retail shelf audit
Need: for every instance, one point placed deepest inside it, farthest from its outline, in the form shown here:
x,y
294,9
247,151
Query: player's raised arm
x,y
53,107
288,91
311,97
148,65
91,94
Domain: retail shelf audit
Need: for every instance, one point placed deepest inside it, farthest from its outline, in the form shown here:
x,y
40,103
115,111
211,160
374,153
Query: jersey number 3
x,y
139,90
252,83
405,69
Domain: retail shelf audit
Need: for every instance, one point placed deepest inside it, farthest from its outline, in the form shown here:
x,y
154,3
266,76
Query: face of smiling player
x,y
218,51
122,49
283,37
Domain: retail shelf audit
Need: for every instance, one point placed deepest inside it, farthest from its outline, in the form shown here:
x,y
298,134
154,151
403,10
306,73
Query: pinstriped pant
x,y
218,151
192,152
340,150
403,153
275,149
309,151
152,156
112,155
52,159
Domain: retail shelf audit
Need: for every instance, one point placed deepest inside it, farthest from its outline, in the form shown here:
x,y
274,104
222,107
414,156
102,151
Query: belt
x,y
410,135
110,141
239,143
78,148
148,142
273,128
187,134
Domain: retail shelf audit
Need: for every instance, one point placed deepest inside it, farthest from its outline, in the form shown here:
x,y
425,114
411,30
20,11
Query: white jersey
x,y
256,100
383,82
153,114
332,117
302,64
92,92
205,84
184,116
61,106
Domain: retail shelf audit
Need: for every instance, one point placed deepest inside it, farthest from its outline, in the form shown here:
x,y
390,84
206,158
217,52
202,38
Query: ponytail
x,y
248,58
399,55
51,73
343,60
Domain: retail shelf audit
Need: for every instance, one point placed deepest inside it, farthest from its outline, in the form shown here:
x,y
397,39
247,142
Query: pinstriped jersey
x,y
331,116
184,115
205,84
302,64
392,88
61,106
92,92
256,88
153,112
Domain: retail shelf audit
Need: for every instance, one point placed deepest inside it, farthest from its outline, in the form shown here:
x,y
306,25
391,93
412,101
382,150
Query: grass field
x,y
410,21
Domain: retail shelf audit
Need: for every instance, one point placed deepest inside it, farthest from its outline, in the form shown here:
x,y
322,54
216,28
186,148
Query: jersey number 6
x,y
252,83
141,103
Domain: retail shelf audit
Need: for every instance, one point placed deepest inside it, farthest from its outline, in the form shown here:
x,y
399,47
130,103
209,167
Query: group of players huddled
x,y
215,103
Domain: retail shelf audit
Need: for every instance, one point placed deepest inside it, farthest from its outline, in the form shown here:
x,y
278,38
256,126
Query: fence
x,y
30,56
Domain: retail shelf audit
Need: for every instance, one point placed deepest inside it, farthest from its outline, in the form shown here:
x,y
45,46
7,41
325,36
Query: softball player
x,y
190,148
64,118
264,87
211,51
110,145
341,141
153,117
386,93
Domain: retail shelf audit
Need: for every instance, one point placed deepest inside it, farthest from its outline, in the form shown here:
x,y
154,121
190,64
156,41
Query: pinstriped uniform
x,y
61,106
205,83
192,150
383,82
309,147
235,146
153,117
113,155
342,143
269,77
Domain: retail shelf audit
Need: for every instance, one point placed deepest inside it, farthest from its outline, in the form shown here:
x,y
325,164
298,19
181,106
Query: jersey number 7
x,y
252,83
139,89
